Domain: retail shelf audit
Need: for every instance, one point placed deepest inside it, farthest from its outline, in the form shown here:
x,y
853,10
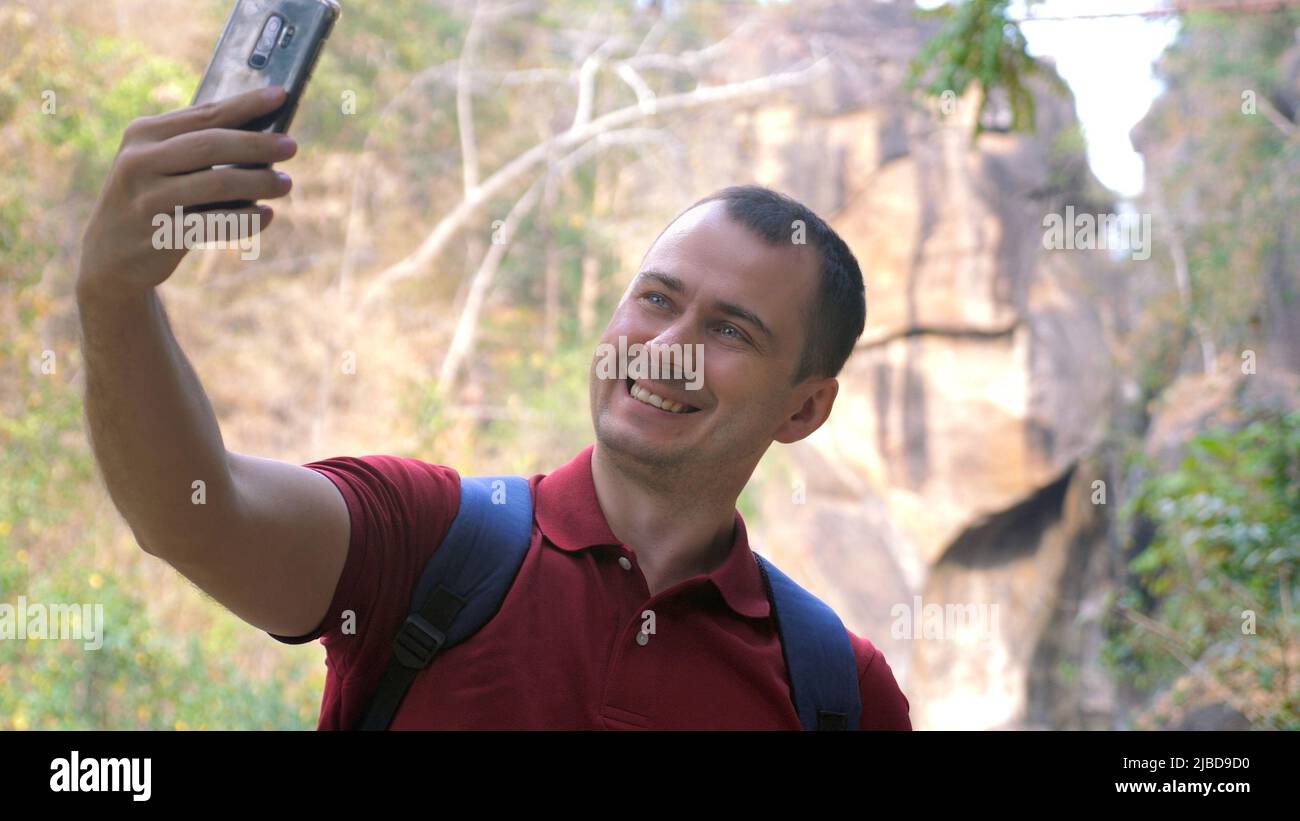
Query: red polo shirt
x,y
562,653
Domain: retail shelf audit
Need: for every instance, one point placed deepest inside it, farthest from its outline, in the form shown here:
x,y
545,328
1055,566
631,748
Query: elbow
x,y
178,548
149,545
159,545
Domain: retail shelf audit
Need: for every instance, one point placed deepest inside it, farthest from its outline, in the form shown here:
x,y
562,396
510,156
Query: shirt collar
x,y
569,516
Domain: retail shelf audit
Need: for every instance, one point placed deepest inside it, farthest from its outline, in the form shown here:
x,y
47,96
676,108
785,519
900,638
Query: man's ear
x,y
818,397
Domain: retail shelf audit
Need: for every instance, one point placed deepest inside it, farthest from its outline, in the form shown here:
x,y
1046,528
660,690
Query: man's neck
x,y
679,527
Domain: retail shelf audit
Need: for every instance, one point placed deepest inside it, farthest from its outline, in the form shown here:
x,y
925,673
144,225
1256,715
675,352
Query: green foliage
x,y
1226,176
375,54
57,546
132,82
1226,540
980,43
77,95
141,677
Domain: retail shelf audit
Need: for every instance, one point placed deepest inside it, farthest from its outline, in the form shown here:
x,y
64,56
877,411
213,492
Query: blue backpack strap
x,y
818,654
462,586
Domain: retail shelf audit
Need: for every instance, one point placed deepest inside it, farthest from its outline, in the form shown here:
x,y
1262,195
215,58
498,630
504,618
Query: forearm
x,y
151,426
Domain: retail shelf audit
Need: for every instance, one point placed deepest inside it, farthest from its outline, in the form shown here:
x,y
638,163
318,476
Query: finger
x,y
219,225
231,112
219,185
196,150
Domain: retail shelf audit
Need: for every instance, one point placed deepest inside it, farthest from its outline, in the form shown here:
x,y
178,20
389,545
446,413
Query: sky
x,y
1107,63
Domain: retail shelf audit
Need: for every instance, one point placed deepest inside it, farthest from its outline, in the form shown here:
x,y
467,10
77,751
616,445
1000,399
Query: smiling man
x,y
638,602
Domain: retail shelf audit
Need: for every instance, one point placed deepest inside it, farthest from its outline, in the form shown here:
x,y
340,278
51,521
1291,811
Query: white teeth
x,y
641,394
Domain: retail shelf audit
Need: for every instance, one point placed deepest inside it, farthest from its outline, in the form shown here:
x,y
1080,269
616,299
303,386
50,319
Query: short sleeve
x,y
884,707
400,510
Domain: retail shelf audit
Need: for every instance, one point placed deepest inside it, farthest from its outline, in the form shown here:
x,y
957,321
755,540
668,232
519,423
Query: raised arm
x,y
266,539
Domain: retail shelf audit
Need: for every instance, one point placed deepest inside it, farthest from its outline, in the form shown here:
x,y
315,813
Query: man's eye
x,y
735,332
662,300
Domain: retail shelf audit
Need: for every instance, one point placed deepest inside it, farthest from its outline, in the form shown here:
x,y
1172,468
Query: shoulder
x,y
396,473
884,706
401,495
400,509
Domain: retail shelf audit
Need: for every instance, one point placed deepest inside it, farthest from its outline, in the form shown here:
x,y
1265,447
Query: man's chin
x,y
636,446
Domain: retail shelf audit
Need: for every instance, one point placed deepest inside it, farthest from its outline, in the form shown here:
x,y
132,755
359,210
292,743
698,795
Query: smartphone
x,y
268,43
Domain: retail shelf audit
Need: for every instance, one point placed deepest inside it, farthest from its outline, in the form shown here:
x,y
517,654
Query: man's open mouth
x,y
648,397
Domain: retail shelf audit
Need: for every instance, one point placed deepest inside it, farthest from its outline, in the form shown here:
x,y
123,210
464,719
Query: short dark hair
x,y
838,311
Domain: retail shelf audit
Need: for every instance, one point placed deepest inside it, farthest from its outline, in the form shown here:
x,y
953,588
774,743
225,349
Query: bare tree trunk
x,y
551,299
1183,281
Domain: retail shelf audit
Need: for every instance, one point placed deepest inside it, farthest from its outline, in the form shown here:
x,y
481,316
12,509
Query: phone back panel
x,y
287,64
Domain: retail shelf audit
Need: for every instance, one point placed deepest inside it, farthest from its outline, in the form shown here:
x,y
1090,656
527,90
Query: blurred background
x,y
1094,445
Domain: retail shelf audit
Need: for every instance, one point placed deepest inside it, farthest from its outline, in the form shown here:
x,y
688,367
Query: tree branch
x,y
465,103
1275,117
462,340
496,184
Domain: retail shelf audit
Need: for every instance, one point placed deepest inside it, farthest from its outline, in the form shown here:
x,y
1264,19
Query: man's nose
x,y
675,349
680,332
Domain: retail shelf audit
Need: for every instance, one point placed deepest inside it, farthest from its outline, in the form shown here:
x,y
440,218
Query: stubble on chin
x,y
656,464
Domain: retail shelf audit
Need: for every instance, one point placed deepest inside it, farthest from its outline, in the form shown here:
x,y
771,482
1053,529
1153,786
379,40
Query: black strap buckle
x,y
827,720
417,642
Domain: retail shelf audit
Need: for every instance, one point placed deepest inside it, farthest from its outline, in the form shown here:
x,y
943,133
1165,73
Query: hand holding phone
x,y
216,154
155,173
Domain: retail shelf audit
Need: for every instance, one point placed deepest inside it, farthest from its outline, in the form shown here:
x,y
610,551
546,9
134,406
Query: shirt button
x,y
642,639
624,563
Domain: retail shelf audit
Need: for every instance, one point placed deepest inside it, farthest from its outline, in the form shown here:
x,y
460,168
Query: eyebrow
x,y
674,284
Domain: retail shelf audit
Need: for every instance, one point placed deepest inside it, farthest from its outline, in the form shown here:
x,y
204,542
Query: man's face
x,y
708,281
